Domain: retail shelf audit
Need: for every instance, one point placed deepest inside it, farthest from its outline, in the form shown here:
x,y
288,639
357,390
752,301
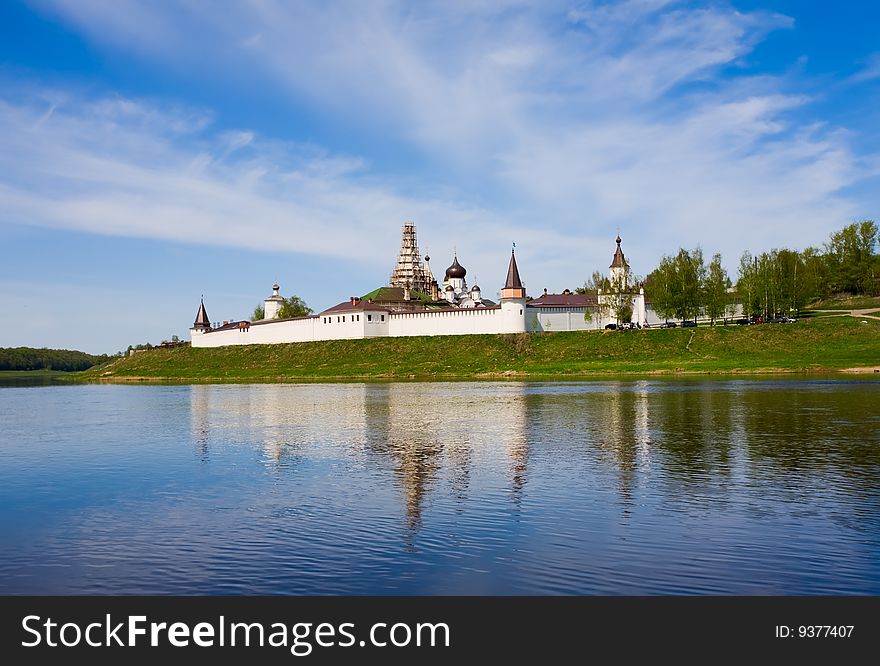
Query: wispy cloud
x,y
869,72
574,120
123,167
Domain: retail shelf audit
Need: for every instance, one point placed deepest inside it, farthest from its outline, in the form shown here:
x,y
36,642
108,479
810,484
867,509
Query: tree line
x,y
29,358
777,282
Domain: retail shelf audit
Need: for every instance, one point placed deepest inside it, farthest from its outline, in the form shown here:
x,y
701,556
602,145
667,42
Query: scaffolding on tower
x,y
410,271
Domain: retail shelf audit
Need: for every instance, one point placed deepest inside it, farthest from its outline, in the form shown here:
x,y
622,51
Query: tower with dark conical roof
x,y
513,299
202,324
513,286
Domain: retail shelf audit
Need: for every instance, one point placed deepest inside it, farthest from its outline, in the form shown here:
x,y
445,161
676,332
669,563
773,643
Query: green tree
x,y
851,258
747,284
29,358
659,288
690,274
815,281
293,307
791,277
596,282
715,289
259,313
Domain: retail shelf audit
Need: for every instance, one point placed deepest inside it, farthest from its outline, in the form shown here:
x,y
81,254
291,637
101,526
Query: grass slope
x,y
852,303
808,345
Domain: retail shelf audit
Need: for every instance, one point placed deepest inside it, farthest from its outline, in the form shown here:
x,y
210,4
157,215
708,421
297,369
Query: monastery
x,y
415,303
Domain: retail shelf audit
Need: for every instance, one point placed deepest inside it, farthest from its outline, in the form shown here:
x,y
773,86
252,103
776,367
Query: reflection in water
x,y
688,486
398,426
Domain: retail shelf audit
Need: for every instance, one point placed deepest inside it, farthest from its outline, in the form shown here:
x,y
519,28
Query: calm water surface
x,y
637,487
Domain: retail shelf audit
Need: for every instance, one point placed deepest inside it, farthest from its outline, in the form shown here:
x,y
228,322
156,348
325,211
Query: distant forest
x,y
28,358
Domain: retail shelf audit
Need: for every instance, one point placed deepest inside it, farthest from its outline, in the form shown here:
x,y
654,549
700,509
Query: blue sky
x,y
151,152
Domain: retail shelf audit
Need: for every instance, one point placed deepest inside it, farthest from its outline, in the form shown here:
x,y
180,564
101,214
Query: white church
x,y
415,303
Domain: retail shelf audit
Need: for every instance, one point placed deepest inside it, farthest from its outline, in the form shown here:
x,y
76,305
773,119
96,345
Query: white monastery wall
x,y
509,318
560,319
469,321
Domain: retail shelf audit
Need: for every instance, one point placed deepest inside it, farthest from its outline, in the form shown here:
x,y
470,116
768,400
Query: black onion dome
x,y
456,270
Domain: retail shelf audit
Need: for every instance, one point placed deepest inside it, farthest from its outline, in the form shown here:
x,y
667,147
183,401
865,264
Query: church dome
x,y
456,270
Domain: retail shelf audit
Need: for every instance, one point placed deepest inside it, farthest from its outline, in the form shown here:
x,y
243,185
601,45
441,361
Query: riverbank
x,y
815,345
34,374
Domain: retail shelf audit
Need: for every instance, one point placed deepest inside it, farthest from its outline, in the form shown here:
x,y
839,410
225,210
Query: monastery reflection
x,y
625,413
428,436
429,447
199,418
282,419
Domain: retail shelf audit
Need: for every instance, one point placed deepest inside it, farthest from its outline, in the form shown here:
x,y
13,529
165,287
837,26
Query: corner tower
x,y
513,286
202,324
513,299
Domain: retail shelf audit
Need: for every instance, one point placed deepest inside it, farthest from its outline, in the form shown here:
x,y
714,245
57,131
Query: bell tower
x,y
619,269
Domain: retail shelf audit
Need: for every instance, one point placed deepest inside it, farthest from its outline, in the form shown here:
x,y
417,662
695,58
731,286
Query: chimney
x,y
355,300
545,291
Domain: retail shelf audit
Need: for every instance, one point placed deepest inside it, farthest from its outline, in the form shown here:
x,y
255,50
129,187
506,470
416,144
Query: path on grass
x,y
866,313
870,313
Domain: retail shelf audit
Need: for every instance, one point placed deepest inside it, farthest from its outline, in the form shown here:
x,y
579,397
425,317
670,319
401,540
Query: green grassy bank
x,y
819,344
852,303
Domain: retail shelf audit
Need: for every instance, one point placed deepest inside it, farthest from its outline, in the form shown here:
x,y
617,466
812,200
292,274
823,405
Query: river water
x,y
690,486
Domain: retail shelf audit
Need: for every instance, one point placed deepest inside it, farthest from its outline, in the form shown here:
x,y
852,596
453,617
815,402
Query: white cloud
x,y
576,119
870,72
119,168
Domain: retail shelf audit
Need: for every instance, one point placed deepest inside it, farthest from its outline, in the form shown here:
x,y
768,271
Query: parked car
x,y
667,324
688,324
610,327
744,321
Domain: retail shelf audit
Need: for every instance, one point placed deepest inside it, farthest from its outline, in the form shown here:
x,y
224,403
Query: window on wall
x,y
369,317
359,317
343,319
383,317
